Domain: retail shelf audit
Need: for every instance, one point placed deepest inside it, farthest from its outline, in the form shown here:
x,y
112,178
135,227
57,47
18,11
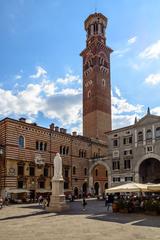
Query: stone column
x,y
99,28
92,29
90,184
144,136
136,177
135,133
153,134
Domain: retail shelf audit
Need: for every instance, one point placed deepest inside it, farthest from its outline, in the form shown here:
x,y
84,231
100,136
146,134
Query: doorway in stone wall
x,y
96,188
99,175
76,192
84,188
106,185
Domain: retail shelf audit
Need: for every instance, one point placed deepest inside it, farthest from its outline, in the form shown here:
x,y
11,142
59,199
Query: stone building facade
x,y
27,157
99,159
134,151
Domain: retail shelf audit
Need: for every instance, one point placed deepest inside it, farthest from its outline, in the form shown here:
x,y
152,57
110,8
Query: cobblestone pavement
x,y
30,221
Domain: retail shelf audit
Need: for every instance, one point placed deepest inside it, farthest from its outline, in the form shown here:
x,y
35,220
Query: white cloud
x,y
120,105
66,108
153,79
119,121
151,52
62,105
117,91
123,112
71,91
46,98
121,52
40,72
48,87
156,111
78,128
17,77
135,66
69,78
132,40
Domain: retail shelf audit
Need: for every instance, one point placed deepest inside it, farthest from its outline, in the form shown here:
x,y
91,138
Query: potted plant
x,y
152,206
123,206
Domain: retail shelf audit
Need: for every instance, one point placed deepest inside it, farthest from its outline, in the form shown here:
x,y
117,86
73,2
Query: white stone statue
x,y
58,167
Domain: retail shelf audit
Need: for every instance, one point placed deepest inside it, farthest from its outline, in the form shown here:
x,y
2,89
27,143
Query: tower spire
x,y
148,111
135,120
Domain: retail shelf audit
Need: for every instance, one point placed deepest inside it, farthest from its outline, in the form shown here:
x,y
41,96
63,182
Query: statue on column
x,y
58,167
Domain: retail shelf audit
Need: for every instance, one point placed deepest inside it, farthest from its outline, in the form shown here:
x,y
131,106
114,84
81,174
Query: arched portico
x,y
91,182
141,160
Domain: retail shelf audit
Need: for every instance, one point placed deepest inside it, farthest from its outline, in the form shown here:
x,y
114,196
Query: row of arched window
x,y
64,150
82,153
41,146
95,28
149,134
97,155
74,171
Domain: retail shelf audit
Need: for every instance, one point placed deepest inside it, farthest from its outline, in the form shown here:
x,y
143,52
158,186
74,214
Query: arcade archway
x,y
76,192
149,171
138,172
96,188
99,175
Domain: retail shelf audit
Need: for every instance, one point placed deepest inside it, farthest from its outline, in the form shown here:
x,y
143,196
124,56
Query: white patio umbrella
x,y
154,187
43,190
128,187
17,190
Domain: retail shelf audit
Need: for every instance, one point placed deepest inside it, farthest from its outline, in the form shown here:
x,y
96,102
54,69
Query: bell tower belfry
x,y
96,79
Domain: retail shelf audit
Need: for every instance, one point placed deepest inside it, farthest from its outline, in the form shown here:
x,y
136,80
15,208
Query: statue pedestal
x,y
57,199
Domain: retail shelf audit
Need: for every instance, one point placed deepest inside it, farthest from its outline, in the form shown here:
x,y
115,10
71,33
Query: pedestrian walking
x,y
6,201
106,200
84,203
40,199
45,203
1,202
48,200
110,201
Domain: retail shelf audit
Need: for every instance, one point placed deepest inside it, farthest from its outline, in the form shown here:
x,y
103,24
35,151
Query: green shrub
x,y
152,205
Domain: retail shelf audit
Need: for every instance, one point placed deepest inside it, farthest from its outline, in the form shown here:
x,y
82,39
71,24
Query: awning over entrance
x,y
17,190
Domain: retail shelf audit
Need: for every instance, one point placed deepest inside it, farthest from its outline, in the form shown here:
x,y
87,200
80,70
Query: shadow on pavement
x,y
23,216
95,210
131,219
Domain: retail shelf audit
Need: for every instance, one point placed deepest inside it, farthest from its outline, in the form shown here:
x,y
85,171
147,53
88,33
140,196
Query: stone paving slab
x,y
29,221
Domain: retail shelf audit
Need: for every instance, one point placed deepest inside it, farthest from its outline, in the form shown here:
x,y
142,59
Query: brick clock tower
x,y
96,79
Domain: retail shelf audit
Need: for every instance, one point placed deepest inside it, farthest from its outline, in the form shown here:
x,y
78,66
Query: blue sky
x,y
40,66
